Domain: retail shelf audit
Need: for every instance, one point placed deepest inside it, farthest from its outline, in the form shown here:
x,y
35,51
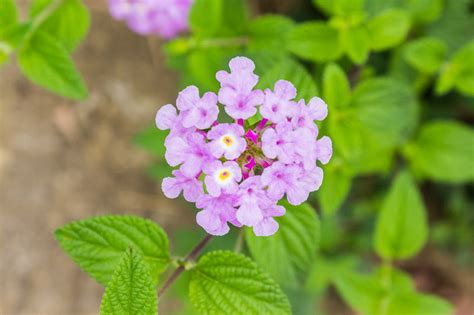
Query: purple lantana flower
x,y
190,186
227,141
238,172
166,18
278,104
236,93
222,177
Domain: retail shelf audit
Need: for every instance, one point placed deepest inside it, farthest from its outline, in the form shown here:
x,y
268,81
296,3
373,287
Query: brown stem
x,y
191,256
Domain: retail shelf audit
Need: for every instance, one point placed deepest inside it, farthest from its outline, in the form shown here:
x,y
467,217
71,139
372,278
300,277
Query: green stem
x,y
239,242
386,285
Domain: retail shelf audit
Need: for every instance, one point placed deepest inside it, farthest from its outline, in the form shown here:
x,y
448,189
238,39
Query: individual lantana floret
x,y
166,18
238,172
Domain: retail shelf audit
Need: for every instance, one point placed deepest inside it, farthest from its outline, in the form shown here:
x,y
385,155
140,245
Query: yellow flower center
x,y
224,175
227,141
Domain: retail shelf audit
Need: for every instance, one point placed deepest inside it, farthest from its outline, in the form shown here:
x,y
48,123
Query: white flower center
x,y
227,142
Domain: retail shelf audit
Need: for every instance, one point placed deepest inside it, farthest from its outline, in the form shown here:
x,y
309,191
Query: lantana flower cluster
x,y
237,171
166,18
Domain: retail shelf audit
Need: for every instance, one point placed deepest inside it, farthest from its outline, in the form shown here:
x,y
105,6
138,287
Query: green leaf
x,y
152,139
96,244
47,63
268,33
464,61
8,14
455,26
336,87
224,282
340,7
315,41
131,289
68,23
337,185
205,17
417,303
420,11
401,228
386,108
443,151
361,292
291,70
388,29
356,43
294,244
426,54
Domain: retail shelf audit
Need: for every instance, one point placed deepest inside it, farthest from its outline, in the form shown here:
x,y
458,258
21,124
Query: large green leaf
x,y
336,88
426,54
315,41
224,282
386,108
68,23
290,252
388,29
268,33
131,289
44,61
443,151
96,244
8,14
402,228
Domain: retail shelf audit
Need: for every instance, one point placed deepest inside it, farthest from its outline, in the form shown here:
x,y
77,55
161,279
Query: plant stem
x,y
239,241
190,257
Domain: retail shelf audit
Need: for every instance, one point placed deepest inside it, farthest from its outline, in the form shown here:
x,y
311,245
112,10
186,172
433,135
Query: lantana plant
x,y
245,168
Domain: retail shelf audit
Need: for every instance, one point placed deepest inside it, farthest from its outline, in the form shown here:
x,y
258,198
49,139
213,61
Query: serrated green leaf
x,y
336,87
152,139
68,23
97,244
47,63
388,29
315,41
443,151
294,244
417,303
426,54
386,108
224,282
131,289
8,14
291,70
356,43
401,228
268,33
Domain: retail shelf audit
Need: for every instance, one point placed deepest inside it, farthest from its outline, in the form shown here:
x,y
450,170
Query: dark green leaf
x,y
97,244
426,54
47,63
294,244
402,228
131,289
224,282
443,151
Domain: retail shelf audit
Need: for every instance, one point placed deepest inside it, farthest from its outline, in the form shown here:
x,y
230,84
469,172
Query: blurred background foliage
x,y
398,77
